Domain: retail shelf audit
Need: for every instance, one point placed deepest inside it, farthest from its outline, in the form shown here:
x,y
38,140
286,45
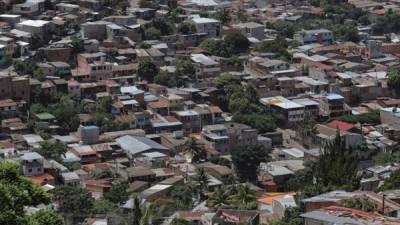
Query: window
x,y
30,170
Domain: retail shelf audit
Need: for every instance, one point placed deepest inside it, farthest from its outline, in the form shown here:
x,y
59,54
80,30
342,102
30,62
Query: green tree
x,y
184,68
237,42
200,181
262,121
147,70
187,28
391,183
244,198
291,217
224,16
218,198
194,150
46,217
17,192
337,167
216,47
176,221
246,159
393,75
52,149
118,193
358,203
152,33
183,196
73,200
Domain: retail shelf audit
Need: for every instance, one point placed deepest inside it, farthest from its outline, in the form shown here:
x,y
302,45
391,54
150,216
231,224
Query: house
x,y
232,216
341,215
205,66
252,29
318,35
135,145
84,152
211,27
390,115
190,120
332,105
37,28
92,67
155,192
326,134
287,111
274,176
32,164
223,137
8,108
137,173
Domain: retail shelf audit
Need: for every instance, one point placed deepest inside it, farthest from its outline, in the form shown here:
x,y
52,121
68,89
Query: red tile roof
x,y
343,126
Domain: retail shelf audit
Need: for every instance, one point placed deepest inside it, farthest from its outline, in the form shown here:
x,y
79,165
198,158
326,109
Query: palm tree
x,y
183,196
194,150
244,198
200,181
219,198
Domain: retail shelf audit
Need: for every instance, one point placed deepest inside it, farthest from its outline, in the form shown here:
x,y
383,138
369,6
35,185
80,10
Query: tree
x,y
224,16
337,167
237,42
104,105
358,203
147,70
183,196
194,150
216,47
118,193
200,181
218,198
147,4
187,28
346,33
152,33
246,159
77,45
52,149
73,200
17,192
176,221
244,198
262,121
391,183
291,217
46,217
184,68
394,80
165,27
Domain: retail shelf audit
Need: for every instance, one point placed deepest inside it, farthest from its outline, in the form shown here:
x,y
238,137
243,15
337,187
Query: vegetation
x,y
337,168
278,46
246,160
372,117
52,149
195,150
239,197
391,183
152,33
118,193
359,203
147,70
28,68
233,43
46,217
291,217
17,192
393,75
